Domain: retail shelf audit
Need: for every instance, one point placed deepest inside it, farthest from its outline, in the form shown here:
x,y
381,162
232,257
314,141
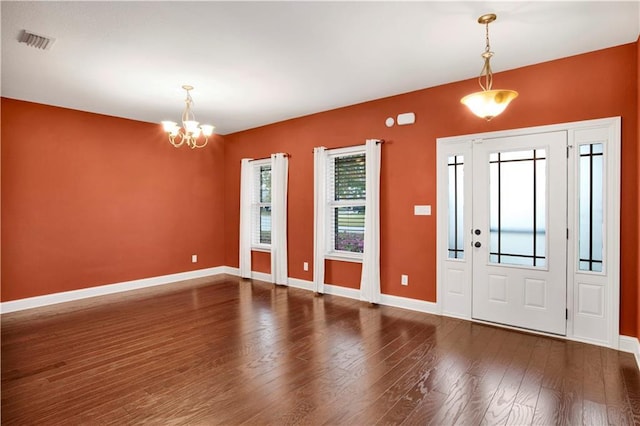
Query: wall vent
x,y
36,40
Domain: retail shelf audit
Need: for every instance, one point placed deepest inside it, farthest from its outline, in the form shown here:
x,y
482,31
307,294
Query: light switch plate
x,y
422,210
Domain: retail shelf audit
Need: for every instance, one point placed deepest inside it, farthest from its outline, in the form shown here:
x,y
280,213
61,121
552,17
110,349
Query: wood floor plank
x,y
228,351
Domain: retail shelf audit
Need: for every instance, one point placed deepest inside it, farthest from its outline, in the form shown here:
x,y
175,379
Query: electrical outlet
x,y
404,279
194,258
305,266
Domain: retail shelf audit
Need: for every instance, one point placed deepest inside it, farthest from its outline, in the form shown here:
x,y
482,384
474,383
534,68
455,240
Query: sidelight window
x,y
590,222
455,167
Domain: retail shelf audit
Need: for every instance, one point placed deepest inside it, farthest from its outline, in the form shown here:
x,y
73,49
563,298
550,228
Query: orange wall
x,y
638,177
89,199
594,85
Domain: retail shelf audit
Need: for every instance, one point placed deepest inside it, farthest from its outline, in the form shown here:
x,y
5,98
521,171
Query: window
x,y
455,168
590,222
261,204
518,212
346,192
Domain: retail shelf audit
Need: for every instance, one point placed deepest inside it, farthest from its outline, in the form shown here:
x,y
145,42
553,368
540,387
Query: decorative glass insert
x,y
455,167
590,222
517,197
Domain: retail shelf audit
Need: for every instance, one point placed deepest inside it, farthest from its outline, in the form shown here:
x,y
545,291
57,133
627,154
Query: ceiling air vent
x,y
36,40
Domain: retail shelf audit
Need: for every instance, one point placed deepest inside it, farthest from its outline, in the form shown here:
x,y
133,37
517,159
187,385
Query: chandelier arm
x,y
195,143
172,139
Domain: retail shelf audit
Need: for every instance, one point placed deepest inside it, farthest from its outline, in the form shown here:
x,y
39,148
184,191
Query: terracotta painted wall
x,y
594,85
89,199
638,177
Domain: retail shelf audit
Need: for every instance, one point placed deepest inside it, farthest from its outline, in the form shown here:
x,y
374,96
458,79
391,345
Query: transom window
x,y
346,192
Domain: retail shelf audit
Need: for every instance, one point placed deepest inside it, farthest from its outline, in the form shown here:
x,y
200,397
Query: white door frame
x,y
593,299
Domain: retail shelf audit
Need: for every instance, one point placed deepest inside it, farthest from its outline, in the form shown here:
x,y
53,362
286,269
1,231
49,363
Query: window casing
x,y
261,205
346,194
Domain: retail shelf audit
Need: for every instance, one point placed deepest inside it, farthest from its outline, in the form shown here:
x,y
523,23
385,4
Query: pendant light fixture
x,y
488,103
190,132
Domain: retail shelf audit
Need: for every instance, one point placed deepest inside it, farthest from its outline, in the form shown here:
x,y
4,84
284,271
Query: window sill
x,y
343,257
262,249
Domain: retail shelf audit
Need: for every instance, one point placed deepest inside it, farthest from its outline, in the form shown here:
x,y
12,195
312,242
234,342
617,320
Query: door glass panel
x,y
456,207
590,206
517,196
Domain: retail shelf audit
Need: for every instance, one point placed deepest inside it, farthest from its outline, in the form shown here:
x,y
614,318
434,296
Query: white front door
x,y
519,231
546,203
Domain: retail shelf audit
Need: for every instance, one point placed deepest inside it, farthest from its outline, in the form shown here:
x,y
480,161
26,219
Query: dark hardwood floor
x,y
227,351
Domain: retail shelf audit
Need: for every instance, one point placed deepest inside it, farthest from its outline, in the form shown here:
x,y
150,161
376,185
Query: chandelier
x,y
488,103
190,133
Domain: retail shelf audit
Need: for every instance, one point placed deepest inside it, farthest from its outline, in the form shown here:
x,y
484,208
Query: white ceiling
x,y
254,63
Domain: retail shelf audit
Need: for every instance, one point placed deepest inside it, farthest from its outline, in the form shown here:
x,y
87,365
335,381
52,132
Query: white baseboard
x,y
336,290
67,296
303,284
411,304
632,345
261,276
351,293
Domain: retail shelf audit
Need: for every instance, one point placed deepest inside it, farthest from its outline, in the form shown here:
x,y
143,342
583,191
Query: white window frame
x,y
256,165
331,253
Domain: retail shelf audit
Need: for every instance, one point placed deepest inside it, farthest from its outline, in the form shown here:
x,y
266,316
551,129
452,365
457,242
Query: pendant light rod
x,y
488,103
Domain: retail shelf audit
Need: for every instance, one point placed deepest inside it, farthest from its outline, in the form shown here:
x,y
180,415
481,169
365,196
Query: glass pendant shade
x,y
207,130
489,103
168,125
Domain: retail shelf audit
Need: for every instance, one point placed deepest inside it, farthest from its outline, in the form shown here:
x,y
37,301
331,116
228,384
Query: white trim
x,y
336,290
352,293
631,345
231,270
263,248
301,284
347,150
261,276
102,290
536,129
411,304
334,255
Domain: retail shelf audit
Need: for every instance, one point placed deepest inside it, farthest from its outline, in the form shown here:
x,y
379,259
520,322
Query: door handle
x,y
477,244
